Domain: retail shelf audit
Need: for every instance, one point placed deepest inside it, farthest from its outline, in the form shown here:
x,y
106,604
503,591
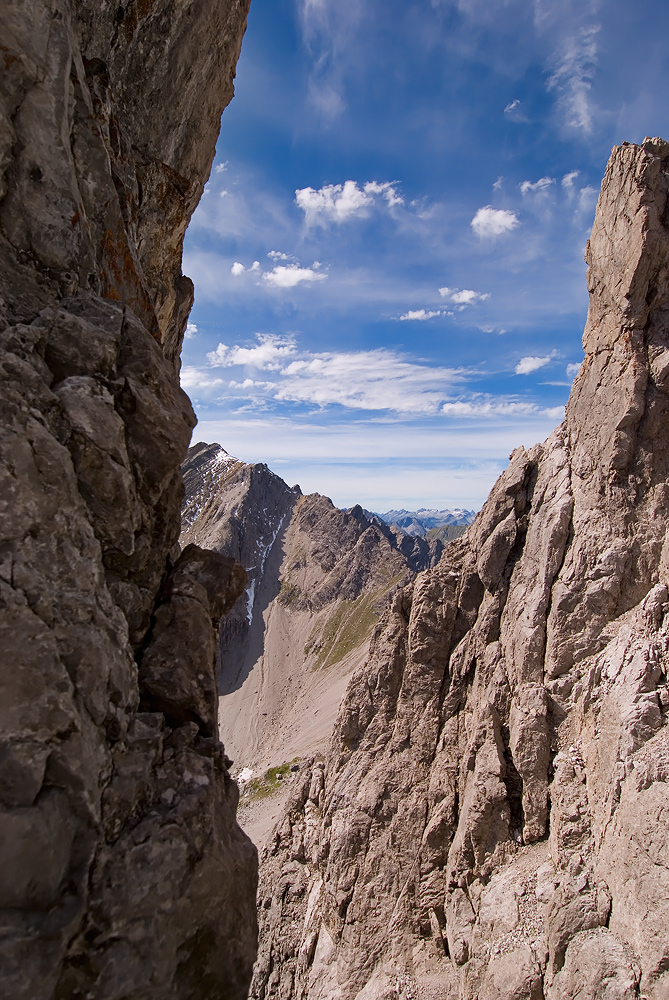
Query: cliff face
x,y
318,580
124,872
490,821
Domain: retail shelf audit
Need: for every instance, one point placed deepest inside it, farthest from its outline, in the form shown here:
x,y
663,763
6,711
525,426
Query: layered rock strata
x,y
490,821
124,873
318,580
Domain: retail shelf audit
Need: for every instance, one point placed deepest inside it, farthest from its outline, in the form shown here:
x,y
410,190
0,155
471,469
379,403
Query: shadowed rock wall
x,y
490,823
124,873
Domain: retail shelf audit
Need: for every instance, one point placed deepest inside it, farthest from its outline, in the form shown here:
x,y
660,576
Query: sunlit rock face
x,y
490,821
124,873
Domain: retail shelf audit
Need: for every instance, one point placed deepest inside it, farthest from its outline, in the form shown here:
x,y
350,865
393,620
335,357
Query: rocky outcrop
x,y
318,580
124,872
490,821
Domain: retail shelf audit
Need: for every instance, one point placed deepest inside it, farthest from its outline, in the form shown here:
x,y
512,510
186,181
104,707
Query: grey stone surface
x,y
124,873
499,770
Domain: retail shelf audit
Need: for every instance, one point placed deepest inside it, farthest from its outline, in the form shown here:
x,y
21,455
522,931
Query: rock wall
x,y
490,822
124,873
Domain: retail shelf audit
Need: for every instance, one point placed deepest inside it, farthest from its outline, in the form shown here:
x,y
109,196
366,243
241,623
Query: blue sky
x,y
388,257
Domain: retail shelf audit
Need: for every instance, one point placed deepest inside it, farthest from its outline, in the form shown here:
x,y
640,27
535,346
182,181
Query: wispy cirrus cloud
x,y
367,380
574,67
491,406
329,34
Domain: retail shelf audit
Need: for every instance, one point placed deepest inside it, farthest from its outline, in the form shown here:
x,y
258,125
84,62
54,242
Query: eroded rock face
x,y
491,819
124,873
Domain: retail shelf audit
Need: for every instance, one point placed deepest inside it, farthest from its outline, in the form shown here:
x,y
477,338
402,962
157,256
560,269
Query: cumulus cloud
x,y
340,202
288,276
538,187
278,255
420,314
191,331
490,222
237,269
332,203
220,167
463,297
270,353
532,364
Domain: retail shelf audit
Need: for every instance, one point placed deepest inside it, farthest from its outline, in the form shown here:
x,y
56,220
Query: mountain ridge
x,y
318,580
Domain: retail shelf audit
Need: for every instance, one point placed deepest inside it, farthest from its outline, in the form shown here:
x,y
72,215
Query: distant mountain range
x,y
430,523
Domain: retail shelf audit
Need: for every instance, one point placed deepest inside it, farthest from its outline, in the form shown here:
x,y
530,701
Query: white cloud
x,y
288,276
574,69
367,380
387,189
490,222
467,296
220,167
568,180
463,297
250,383
573,370
491,406
270,352
420,314
498,183
533,364
191,331
538,187
332,203
193,379
237,269
514,112
278,255
255,266
340,202
587,197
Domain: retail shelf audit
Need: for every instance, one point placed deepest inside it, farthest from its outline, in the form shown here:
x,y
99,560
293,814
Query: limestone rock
x,y
124,872
498,772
